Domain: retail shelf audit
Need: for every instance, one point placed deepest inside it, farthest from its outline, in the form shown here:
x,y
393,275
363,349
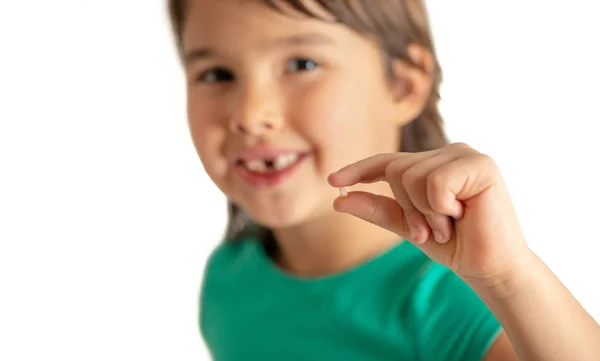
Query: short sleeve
x,y
451,320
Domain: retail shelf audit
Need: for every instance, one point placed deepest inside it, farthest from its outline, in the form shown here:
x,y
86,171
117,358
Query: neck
x,y
331,243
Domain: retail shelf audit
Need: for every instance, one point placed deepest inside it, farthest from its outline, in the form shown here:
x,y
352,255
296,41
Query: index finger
x,y
367,170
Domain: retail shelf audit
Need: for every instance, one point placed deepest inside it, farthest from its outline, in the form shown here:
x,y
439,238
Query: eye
x,y
301,64
215,75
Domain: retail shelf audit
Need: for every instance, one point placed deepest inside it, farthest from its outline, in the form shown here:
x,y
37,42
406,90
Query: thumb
x,y
382,211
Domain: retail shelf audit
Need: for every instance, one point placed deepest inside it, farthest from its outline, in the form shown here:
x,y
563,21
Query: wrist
x,y
517,277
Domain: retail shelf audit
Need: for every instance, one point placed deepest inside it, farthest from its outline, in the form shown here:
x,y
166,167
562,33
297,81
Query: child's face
x,y
262,85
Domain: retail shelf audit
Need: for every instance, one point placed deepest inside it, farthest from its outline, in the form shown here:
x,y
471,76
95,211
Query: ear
x,y
412,83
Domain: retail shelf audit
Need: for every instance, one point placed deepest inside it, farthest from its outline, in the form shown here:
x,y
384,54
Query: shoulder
x,y
230,258
229,268
451,321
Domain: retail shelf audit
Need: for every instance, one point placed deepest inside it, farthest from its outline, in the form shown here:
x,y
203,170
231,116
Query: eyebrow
x,y
296,40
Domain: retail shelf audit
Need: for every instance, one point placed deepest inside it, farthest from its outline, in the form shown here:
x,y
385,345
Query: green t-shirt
x,y
397,306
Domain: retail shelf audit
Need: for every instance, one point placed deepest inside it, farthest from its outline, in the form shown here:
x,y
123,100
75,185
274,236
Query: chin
x,y
278,220
288,215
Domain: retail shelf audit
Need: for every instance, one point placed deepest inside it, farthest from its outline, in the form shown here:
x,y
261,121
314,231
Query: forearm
x,y
541,318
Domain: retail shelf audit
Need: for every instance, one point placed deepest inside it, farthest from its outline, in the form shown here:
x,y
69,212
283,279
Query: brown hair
x,y
394,24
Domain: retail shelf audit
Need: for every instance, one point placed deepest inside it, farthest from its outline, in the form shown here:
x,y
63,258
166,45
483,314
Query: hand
x,y
451,202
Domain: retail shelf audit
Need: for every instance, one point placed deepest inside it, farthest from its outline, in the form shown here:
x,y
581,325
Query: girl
x,y
423,259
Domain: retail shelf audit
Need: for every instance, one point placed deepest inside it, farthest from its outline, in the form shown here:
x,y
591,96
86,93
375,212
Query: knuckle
x,y
392,170
436,181
437,205
409,178
436,184
373,211
460,146
375,214
484,161
410,211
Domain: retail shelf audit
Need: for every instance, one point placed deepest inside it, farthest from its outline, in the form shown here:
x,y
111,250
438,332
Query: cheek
x,y
326,107
336,115
208,133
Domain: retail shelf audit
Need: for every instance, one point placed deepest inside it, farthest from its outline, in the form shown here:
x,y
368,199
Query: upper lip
x,y
262,153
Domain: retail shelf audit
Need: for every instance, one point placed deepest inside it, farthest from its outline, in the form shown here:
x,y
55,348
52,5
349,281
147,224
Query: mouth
x,y
273,164
269,170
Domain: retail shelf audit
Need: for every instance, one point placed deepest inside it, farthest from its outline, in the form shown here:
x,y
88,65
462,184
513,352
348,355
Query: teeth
x,y
262,166
257,165
285,160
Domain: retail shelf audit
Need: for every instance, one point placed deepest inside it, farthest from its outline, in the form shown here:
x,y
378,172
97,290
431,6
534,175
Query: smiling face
x,y
277,102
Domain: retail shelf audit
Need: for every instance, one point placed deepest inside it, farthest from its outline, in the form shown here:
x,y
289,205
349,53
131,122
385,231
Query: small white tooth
x,y
256,165
343,192
280,162
293,157
285,160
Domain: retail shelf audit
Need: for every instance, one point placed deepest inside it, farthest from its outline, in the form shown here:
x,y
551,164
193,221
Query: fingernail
x,y
414,233
439,238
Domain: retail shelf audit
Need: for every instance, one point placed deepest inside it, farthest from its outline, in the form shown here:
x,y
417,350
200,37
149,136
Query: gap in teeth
x,y
278,163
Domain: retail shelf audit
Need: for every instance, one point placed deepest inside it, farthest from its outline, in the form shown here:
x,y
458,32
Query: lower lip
x,y
270,179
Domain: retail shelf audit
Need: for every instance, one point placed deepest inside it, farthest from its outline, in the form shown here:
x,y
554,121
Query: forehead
x,y
210,22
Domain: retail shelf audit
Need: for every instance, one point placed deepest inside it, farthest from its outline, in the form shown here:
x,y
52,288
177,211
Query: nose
x,y
254,112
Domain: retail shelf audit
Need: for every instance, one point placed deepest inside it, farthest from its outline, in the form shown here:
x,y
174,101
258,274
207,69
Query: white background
x,y
106,216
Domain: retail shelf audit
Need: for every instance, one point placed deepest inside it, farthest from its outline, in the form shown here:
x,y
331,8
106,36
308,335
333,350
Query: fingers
x,y
418,179
416,221
460,180
382,211
369,170
414,178
441,226
428,188
365,171
407,181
